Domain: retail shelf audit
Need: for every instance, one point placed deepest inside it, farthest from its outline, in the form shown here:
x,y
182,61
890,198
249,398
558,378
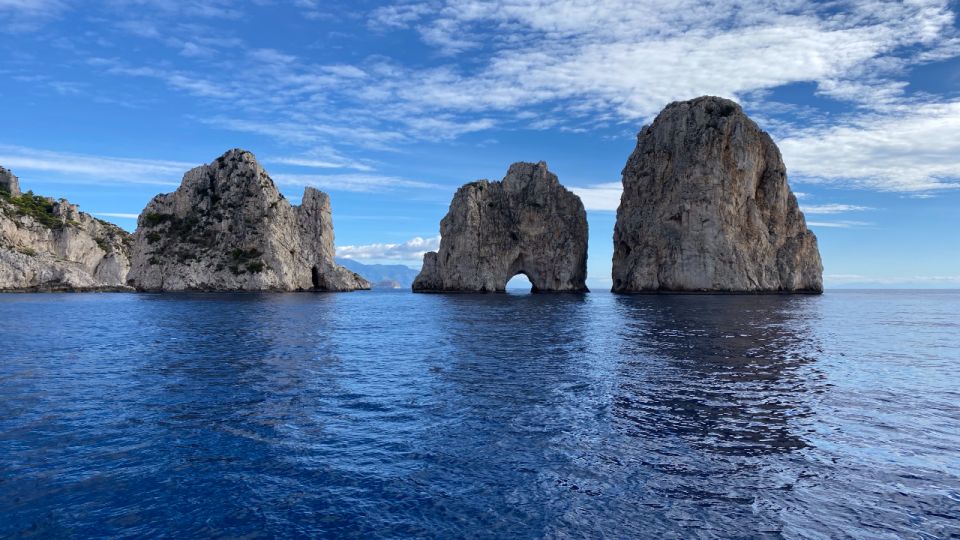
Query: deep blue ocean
x,y
388,414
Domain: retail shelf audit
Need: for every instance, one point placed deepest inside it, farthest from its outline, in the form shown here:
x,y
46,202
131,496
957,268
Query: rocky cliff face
x,y
528,224
228,228
706,207
9,183
49,245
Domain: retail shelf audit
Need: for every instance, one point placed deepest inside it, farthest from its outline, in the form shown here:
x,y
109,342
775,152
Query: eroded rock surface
x,y
706,207
9,182
228,228
528,223
50,245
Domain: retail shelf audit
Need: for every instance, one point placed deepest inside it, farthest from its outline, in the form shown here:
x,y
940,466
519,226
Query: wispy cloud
x,y
26,15
92,169
352,182
333,162
576,66
833,208
846,224
120,215
600,197
910,149
410,251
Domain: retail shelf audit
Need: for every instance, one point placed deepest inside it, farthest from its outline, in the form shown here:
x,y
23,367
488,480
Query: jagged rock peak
x,y
227,227
50,245
525,224
9,182
706,207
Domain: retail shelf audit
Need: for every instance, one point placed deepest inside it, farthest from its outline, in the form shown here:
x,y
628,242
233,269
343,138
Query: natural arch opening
x,y
519,283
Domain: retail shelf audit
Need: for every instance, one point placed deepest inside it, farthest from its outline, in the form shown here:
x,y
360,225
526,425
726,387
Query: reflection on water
x,y
731,374
387,414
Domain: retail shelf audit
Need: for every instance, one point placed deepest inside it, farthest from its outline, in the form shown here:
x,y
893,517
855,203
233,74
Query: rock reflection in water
x,y
729,374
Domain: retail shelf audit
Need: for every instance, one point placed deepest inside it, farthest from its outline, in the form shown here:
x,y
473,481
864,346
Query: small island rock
x,y
526,224
706,208
228,228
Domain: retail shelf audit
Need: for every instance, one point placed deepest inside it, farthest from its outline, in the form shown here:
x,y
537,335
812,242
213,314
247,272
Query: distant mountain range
x,y
382,276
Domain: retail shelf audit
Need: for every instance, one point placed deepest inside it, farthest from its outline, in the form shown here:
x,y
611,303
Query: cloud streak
x,y
910,149
92,169
571,65
361,183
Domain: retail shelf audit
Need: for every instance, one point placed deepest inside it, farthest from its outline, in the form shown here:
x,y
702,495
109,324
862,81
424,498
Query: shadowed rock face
x,y
228,228
528,224
706,207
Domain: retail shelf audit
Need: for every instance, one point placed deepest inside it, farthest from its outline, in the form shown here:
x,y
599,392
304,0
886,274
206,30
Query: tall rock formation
x,y
706,207
50,245
527,224
228,228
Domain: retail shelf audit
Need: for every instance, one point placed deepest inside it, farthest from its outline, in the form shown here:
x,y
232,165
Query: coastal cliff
x,y
228,228
50,245
526,224
706,208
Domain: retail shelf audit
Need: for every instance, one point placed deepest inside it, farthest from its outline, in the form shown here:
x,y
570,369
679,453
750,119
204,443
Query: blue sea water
x,y
387,414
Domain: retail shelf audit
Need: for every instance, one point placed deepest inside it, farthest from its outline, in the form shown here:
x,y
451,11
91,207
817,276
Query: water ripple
x,y
383,415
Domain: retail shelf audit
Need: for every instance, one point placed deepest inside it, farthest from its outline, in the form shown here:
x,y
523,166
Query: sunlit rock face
x,y
706,208
528,223
50,245
228,228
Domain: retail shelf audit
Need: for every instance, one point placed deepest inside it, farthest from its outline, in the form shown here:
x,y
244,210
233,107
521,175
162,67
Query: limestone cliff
x,y
528,224
228,228
706,207
49,245
9,183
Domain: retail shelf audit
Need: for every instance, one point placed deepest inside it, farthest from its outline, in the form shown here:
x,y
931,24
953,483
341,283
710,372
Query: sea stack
x,y
228,228
50,245
706,208
526,224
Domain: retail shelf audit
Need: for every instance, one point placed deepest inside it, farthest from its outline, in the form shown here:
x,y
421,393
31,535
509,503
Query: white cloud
x,y
575,65
92,169
26,15
120,215
335,161
600,197
838,224
832,208
363,183
634,57
910,149
412,250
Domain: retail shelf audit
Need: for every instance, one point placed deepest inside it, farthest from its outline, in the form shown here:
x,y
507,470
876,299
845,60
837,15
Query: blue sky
x,y
390,106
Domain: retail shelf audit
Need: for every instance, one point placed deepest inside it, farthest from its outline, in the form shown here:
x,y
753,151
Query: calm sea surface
x,y
389,414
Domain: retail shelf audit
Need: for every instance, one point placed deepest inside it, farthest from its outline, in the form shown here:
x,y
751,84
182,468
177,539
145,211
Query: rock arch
x,y
528,223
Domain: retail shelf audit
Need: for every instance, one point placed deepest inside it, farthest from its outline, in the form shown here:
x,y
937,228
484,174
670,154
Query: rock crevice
x,y
527,223
706,208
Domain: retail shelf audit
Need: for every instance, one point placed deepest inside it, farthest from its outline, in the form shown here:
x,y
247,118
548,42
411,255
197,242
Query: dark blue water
x,y
389,414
